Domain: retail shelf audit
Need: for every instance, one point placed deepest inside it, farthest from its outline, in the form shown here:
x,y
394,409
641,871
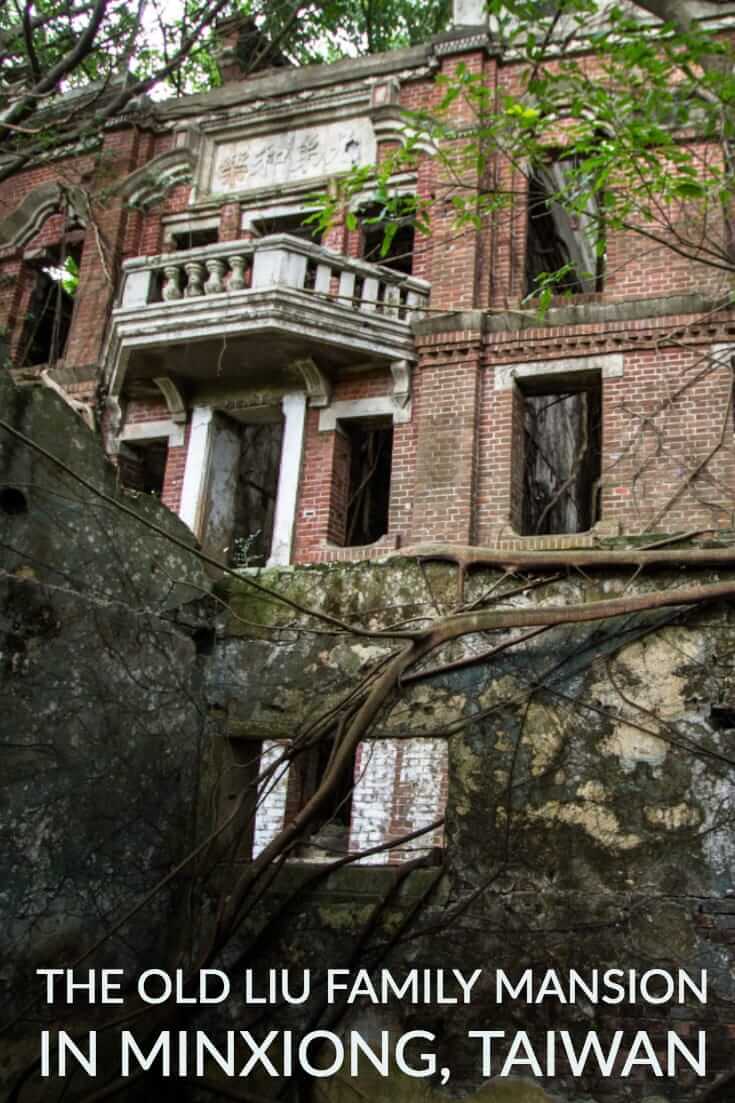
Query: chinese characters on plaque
x,y
300,154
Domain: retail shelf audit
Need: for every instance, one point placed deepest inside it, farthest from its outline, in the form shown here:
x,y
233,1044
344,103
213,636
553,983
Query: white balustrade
x,y
236,281
171,289
215,280
278,261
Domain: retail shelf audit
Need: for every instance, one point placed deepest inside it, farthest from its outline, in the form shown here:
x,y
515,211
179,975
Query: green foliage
x,y
643,114
139,41
330,30
70,276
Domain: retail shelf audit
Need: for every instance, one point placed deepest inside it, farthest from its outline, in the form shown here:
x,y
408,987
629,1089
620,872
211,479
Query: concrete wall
x,y
588,788
103,726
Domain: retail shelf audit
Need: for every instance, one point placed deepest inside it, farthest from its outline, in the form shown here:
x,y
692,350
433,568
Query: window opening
x,y
293,224
332,829
559,239
401,234
142,466
51,305
368,498
257,487
561,478
195,239
12,501
240,768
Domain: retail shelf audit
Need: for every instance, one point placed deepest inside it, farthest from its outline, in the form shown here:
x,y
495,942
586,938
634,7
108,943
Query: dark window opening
x,y
561,477
12,501
368,497
292,224
142,466
204,639
51,305
722,716
194,239
559,239
395,233
255,499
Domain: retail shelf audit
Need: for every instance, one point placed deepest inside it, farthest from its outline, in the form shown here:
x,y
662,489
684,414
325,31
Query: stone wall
x,y
586,777
589,810
103,740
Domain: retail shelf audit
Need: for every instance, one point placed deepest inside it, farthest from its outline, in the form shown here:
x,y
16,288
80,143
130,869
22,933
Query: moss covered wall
x,y
590,807
101,714
589,802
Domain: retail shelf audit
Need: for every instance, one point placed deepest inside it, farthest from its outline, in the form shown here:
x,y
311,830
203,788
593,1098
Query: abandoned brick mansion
x,y
464,695
301,398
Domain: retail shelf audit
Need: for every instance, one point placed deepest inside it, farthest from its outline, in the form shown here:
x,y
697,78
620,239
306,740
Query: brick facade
x,y
457,467
459,446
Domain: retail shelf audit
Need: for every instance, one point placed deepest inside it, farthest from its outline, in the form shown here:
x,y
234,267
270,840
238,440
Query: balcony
x,y
244,310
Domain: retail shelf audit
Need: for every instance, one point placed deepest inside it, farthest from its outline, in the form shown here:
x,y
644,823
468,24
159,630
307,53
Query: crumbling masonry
x,y
298,401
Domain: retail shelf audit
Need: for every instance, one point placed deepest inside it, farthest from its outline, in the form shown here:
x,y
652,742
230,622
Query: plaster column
x,y
294,413
469,13
193,491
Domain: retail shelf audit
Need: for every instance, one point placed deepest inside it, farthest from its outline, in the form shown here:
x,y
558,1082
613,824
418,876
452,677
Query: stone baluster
x,y
414,302
323,280
215,283
171,289
236,281
194,272
369,298
347,286
392,300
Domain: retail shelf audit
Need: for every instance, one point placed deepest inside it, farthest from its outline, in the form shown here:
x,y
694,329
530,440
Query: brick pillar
x,y
14,302
455,261
229,222
501,458
322,505
402,479
96,291
447,408
173,479
151,234
336,237
507,269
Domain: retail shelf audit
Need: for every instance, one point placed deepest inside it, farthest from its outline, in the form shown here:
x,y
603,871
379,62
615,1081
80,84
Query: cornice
x,y
626,337
464,40
407,64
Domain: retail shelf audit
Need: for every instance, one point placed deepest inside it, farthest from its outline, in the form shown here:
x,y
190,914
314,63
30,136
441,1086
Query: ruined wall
x,y
589,812
102,729
586,776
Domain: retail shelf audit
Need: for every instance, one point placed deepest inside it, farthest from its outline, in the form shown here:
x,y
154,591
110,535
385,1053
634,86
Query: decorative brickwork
x,y
458,456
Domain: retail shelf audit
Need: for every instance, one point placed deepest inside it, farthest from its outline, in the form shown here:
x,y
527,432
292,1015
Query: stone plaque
x,y
292,155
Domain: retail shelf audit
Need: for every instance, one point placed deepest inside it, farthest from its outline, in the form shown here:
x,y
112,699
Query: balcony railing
x,y
228,268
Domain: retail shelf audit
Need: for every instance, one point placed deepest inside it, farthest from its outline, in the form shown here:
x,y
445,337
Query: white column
x,y
193,491
294,413
137,287
469,13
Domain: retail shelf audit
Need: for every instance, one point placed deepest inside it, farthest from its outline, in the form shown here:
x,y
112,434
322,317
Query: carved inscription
x,y
297,154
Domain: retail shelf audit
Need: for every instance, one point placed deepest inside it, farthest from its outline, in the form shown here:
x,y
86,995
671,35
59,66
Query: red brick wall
x,y
323,497
668,457
173,479
668,461
229,222
447,398
457,465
